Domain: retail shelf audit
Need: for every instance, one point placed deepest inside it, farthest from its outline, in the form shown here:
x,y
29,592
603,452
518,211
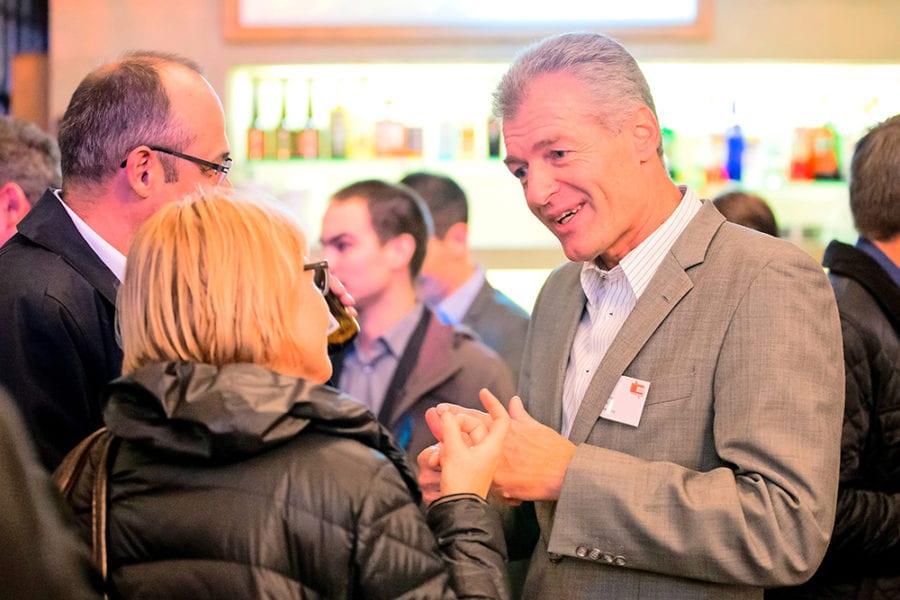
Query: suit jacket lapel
x,y
49,225
564,307
475,311
669,284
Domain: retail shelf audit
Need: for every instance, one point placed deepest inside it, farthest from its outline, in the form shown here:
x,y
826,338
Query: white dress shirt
x,y
611,296
112,258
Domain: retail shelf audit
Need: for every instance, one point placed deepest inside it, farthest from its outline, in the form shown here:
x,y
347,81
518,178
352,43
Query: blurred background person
x,y
863,558
749,210
29,164
238,475
404,360
452,282
42,557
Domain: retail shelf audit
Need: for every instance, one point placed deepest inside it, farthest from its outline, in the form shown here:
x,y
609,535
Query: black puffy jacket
x,y
238,482
863,559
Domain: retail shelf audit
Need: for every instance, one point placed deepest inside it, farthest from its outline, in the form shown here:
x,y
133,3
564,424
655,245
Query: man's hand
x,y
535,459
467,455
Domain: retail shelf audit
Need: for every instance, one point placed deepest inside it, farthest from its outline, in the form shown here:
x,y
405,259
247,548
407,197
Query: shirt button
x,y
581,551
619,561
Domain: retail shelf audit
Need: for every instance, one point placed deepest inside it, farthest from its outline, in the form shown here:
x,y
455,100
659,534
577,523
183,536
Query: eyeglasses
x,y
219,168
320,274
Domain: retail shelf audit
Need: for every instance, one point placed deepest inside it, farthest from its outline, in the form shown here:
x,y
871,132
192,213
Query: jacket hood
x,y
229,412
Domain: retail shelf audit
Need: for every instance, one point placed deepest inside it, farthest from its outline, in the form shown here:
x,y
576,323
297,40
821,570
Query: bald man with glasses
x,y
138,133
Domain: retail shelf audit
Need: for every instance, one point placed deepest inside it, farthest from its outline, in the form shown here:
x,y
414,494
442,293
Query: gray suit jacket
x,y
729,482
500,323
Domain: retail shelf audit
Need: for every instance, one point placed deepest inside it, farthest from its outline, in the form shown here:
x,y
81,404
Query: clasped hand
x,y
530,464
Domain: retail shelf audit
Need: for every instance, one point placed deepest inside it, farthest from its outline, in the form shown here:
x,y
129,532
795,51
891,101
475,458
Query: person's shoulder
x,y
339,466
743,246
503,304
30,271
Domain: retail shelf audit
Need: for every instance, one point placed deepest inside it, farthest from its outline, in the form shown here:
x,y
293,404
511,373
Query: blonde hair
x,y
213,279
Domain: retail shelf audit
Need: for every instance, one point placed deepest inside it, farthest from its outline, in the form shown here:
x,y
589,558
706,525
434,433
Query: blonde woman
x,y
238,474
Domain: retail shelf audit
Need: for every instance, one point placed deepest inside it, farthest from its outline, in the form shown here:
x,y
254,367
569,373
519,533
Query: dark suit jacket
x,y
500,323
729,482
58,345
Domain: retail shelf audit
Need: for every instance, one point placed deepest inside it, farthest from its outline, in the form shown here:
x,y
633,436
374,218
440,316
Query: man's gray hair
x,y
608,71
29,157
115,109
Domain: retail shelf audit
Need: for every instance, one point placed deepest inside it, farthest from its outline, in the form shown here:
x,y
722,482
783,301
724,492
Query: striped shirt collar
x,y
640,264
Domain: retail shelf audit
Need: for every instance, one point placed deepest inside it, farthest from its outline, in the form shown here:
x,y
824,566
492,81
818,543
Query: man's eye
x,y
520,173
558,153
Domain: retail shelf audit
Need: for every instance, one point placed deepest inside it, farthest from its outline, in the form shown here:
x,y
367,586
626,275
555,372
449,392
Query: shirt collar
x,y
397,337
112,258
455,306
880,257
640,264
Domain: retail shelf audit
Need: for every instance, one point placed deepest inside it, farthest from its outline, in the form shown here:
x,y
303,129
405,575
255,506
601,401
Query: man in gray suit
x,y
451,281
682,384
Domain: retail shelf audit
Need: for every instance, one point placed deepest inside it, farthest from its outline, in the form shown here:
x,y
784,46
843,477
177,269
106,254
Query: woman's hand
x,y
341,292
471,448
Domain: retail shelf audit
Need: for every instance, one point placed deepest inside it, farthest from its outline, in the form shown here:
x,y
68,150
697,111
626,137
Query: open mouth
x,y
567,216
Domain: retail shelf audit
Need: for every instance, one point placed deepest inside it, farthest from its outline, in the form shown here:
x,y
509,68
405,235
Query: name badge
x,y
627,401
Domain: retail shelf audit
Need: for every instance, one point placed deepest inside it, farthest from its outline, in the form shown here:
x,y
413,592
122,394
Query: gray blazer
x,y
729,482
500,323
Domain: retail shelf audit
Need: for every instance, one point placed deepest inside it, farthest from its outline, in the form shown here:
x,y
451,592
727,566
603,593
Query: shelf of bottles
x,y
785,131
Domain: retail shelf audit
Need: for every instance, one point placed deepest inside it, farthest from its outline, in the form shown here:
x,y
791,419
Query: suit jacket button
x,y
554,557
594,554
581,551
619,561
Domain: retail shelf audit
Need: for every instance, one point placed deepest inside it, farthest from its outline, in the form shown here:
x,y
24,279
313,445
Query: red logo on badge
x,y
637,388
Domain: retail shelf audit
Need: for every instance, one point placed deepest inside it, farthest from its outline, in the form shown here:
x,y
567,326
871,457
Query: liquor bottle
x,y
824,159
467,140
342,327
338,128
734,143
801,154
390,135
283,132
493,131
308,138
256,136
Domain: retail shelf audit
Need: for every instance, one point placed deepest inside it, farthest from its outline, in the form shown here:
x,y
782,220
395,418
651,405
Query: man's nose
x,y
539,186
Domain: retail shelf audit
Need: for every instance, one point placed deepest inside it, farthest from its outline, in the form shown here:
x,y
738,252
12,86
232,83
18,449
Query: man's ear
x,y
645,132
400,250
457,238
13,203
142,169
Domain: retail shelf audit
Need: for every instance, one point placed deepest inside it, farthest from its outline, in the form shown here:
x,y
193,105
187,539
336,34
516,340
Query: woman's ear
x,y
141,169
